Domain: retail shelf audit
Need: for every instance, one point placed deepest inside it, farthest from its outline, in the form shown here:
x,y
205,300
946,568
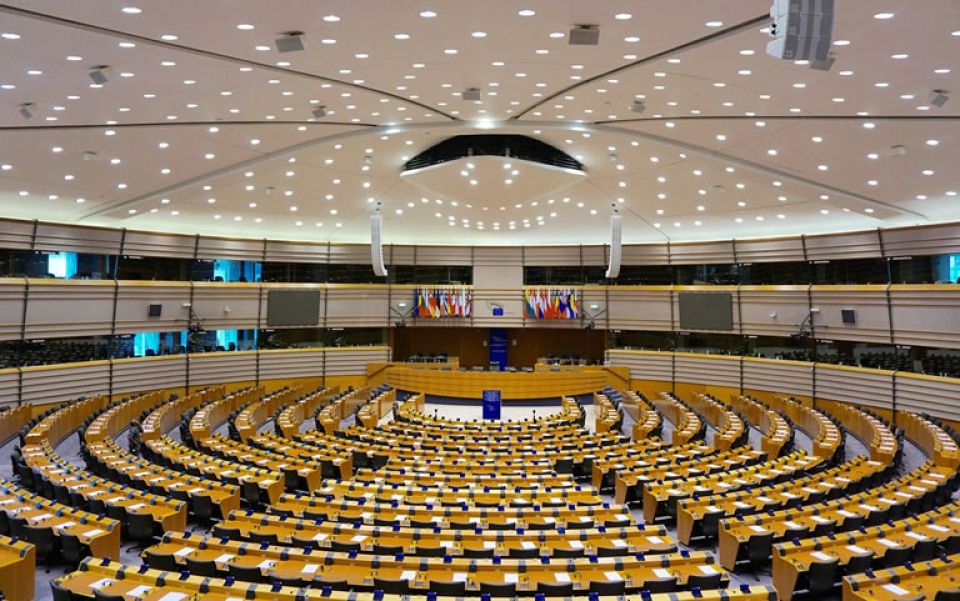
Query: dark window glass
x,y
700,275
321,337
644,275
850,271
154,268
776,274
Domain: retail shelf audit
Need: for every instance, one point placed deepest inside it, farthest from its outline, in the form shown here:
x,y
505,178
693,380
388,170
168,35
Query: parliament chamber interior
x,y
421,300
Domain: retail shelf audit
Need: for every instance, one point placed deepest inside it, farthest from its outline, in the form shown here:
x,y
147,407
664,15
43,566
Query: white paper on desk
x,y
821,556
320,537
511,578
710,570
266,564
359,538
938,528
562,577
138,591
310,568
549,521
915,535
42,516
575,544
99,584
896,590
662,573
613,576
184,551
489,544
94,532
446,544
887,542
408,575
654,539
819,520
858,550
756,528
528,545
64,525
173,597
617,542
459,576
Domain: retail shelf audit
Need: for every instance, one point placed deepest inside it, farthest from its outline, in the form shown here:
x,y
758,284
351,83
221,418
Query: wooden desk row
x,y
921,581
111,578
730,429
647,422
369,510
109,456
777,433
169,452
323,534
660,498
293,416
215,412
875,434
329,418
502,479
41,457
101,534
838,514
827,438
357,570
791,560
18,560
249,420
939,446
701,516
630,480
411,412
606,416
338,462
376,408
686,424
167,416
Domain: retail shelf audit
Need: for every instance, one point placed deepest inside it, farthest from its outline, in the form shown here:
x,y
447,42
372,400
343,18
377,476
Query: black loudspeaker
x,y
154,310
849,316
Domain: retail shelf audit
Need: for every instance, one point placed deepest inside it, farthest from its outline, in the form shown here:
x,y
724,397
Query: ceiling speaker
x,y
100,75
320,112
939,99
376,245
471,94
290,42
584,35
616,239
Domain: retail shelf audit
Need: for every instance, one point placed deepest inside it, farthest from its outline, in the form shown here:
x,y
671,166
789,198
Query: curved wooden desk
x,y
512,385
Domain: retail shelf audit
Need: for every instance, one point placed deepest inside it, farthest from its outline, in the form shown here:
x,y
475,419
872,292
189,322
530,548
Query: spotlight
x,y
26,110
471,94
939,98
584,35
100,75
638,107
320,112
292,41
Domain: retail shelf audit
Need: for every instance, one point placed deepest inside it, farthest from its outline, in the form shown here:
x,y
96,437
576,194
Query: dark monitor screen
x,y
706,311
293,308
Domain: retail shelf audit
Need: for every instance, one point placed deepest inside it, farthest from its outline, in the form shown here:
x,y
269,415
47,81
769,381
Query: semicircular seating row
x,y
380,500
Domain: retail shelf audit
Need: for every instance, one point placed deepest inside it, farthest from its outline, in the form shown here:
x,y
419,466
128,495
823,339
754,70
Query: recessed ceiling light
x,y
10,36
401,36
245,27
933,142
623,16
899,57
714,23
132,10
883,16
428,14
479,34
331,18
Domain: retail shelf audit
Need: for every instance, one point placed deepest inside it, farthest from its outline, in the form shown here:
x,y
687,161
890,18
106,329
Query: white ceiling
x,y
206,133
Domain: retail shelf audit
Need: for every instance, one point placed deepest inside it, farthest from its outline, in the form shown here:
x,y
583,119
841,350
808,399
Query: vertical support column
x,y
186,379
263,260
22,345
111,347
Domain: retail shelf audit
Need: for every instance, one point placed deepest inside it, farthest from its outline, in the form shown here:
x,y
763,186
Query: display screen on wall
x,y
543,303
434,303
706,311
293,308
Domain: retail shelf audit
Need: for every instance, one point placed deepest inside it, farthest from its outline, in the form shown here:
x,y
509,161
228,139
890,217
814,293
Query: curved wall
x,y
881,390
921,315
52,383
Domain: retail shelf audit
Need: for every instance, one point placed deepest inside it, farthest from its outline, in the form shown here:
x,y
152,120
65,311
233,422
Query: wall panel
x,y
786,377
343,362
773,310
716,370
644,365
230,306
350,254
213,368
769,250
241,249
279,251
696,253
928,394
133,303
99,241
12,292
646,308
358,307
870,304
925,240
852,245
16,235
445,255
65,382
645,254
149,373
152,244
64,308
9,379
870,387
926,315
